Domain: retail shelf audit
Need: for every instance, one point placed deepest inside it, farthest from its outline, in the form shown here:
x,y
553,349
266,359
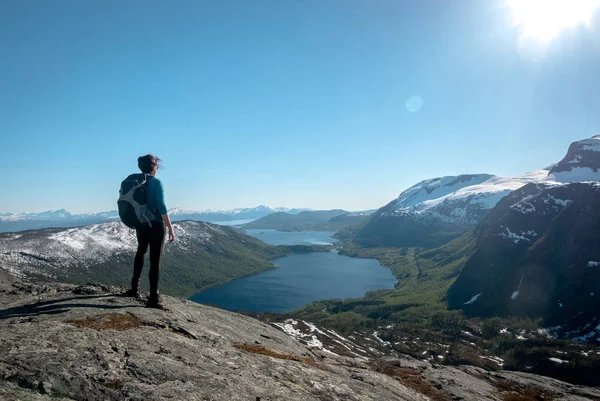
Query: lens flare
x,y
544,19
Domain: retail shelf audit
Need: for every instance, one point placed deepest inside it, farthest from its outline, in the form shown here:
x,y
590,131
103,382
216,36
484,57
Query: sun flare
x,y
544,19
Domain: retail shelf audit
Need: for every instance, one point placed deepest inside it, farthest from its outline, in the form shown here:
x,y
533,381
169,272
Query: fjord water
x,y
299,279
274,237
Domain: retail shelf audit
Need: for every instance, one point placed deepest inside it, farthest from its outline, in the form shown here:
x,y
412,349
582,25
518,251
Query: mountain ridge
x,y
536,256
434,211
204,255
314,220
11,222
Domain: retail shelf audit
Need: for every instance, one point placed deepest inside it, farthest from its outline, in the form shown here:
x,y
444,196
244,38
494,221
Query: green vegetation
x,y
423,279
415,318
224,259
400,231
319,220
189,268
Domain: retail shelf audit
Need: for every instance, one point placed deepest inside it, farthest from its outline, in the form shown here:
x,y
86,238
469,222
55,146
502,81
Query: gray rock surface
x,y
61,341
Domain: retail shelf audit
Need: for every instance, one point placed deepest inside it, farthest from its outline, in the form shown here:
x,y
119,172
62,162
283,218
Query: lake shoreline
x,y
292,249
300,275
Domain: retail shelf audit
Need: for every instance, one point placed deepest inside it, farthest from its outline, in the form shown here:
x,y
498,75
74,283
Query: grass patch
x,y
260,350
412,378
107,321
512,391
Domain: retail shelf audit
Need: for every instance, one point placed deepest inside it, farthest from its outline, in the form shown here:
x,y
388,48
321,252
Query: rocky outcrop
x,y
71,342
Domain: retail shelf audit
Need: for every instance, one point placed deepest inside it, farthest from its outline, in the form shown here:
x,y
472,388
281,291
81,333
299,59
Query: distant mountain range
x,y
10,222
253,213
437,210
316,220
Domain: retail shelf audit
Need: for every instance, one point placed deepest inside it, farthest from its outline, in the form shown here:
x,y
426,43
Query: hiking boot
x,y
133,293
155,301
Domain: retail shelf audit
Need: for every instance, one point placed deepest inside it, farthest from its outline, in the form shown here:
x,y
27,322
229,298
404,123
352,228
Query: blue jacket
x,y
156,196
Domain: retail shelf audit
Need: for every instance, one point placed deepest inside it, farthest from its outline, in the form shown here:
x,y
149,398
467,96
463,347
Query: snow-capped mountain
x,y
435,188
239,214
34,251
50,215
236,213
464,199
537,252
56,215
10,222
436,210
204,254
53,218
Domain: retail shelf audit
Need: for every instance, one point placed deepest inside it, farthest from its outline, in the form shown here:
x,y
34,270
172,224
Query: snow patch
x,y
473,299
495,359
595,332
314,342
545,333
516,238
376,335
592,143
593,263
288,328
576,160
557,360
559,202
593,148
575,174
524,205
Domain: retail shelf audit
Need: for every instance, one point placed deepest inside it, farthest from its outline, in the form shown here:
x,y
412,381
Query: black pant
x,y
153,236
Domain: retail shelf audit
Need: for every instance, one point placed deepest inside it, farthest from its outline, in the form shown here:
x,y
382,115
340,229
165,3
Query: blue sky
x,y
279,102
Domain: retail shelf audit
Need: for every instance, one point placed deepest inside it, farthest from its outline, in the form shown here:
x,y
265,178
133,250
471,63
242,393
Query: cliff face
x,y
537,254
61,341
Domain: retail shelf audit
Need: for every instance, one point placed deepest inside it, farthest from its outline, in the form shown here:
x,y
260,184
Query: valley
x,y
499,273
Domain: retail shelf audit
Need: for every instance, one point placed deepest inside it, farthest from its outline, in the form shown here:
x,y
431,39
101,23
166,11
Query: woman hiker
x,y
152,236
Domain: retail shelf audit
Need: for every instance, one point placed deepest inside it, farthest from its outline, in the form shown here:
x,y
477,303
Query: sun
x,y
544,19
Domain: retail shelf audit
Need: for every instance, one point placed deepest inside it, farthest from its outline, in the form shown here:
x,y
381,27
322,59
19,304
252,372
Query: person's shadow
x,y
57,306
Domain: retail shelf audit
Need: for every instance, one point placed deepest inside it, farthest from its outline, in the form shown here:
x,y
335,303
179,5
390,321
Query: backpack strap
x,y
155,211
